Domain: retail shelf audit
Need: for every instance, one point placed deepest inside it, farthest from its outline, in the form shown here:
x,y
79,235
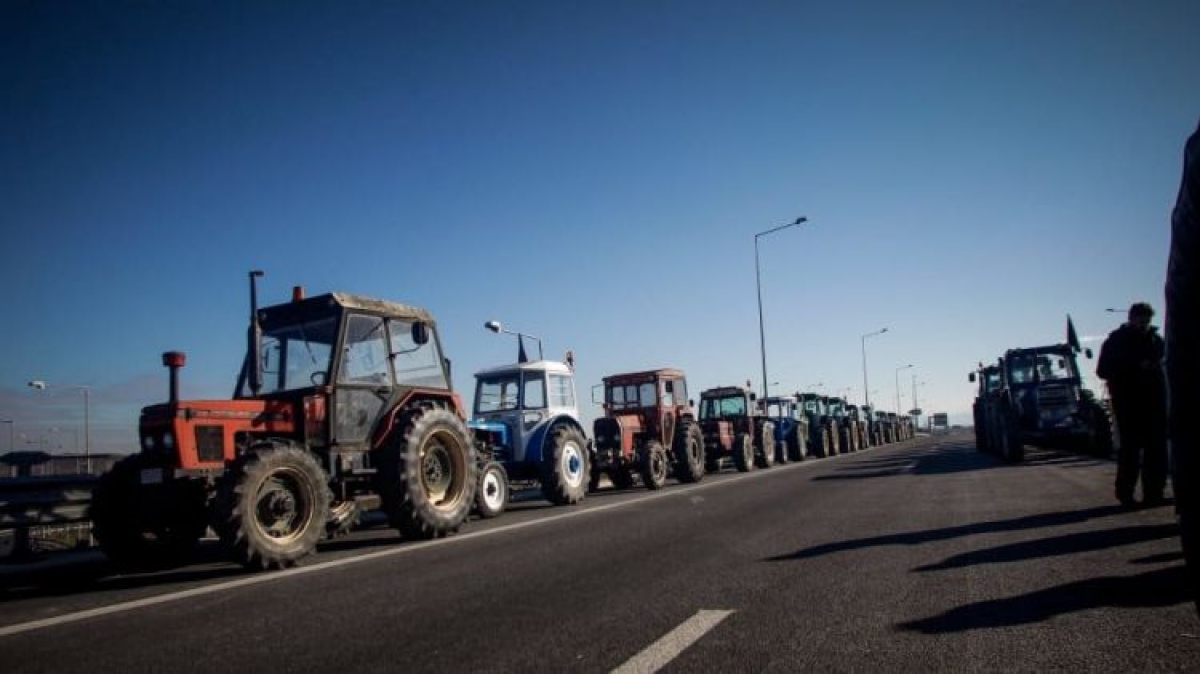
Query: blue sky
x,y
593,173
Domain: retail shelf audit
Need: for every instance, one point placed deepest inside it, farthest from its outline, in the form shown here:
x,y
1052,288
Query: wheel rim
x,y
658,466
284,505
572,464
493,490
443,471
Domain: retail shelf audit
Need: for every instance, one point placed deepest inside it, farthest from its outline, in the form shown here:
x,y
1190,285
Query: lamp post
x,y
41,385
498,327
762,339
12,438
898,385
866,388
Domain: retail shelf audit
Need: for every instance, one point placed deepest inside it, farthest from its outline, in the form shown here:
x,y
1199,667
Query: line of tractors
x,y
344,405
1035,396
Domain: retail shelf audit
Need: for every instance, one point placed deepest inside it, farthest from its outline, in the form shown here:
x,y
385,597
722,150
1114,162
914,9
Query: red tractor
x,y
344,403
648,426
733,427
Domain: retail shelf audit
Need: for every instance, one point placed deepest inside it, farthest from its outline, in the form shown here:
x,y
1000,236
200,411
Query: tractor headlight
x,y
147,443
168,441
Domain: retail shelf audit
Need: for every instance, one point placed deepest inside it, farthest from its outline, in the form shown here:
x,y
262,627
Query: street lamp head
x,y
37,384
883,331
494,326
800,220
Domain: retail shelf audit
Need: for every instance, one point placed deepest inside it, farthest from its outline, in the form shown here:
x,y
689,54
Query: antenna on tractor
x,y
255,336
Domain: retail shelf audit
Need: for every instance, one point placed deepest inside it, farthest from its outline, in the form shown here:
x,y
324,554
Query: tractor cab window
x,y
416,363
365,356
717,408
1054,367
648,394
991,381
294,356
562,393
777,410
1020,370
534,391
497,394
632,396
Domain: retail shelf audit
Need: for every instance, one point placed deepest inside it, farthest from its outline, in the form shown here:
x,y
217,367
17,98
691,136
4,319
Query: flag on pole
x,y
1072,337
521,357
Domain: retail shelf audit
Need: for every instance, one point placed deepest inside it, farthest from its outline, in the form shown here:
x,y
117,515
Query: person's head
x,y
1140,314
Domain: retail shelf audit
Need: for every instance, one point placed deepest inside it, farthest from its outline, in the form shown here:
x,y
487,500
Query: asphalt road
x,y
915,557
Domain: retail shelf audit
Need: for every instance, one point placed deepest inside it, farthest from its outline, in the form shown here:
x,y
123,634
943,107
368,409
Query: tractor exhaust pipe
x,y
174,360
255,337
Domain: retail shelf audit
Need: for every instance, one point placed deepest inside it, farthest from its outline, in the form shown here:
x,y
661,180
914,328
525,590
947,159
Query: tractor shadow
x,y
932,535
1151,589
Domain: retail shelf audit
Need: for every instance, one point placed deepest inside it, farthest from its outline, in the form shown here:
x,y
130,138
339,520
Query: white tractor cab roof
x,y
516,387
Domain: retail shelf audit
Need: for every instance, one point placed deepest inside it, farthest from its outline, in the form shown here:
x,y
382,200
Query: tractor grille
x,y
1054,396
210,443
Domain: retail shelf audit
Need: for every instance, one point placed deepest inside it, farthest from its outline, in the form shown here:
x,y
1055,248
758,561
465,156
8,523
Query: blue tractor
x,y
526,430
791,425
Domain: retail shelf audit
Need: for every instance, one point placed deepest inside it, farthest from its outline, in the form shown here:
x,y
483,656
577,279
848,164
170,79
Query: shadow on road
x,y
919,537
1152,589
926,461
1055,546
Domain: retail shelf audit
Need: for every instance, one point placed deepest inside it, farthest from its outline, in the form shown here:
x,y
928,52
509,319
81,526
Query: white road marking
x,y
405,548
662,652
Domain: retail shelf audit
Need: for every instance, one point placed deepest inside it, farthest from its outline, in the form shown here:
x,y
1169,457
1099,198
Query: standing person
x,y
1131,361
1183,361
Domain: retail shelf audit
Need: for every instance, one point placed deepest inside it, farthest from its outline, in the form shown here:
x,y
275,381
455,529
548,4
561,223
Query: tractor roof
x,y
638,377
723,391
531,366
1035,350
356,302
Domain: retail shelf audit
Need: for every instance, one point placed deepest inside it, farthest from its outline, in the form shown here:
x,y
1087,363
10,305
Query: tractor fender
x,y
536,448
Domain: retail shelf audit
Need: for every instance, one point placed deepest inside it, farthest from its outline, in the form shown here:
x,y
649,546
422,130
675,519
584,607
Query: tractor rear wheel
x,y
794,447
653,464
688,448
565,466
743,453
491,496
138,529
765,457
427,474
272,505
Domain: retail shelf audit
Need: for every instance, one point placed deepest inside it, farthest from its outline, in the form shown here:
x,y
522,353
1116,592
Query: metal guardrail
x,y
35,502
45,499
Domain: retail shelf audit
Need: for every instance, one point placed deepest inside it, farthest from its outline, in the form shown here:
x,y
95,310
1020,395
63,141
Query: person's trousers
x,y
1143,452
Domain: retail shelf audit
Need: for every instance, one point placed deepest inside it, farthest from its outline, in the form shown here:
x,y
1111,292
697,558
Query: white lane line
x,y
401,549
662,652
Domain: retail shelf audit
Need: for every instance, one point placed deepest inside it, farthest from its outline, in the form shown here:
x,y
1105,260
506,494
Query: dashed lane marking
x,y
660,653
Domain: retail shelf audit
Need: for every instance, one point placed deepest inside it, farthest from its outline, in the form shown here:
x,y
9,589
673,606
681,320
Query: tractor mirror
x,y
971,377
1088,353
420,332
753,396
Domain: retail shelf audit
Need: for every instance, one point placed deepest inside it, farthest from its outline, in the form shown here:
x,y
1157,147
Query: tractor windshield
x,y
510,391
728,406
778,409
1042,367
294,356
632,396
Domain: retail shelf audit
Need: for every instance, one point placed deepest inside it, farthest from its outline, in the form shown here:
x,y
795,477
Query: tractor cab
x,y
514,402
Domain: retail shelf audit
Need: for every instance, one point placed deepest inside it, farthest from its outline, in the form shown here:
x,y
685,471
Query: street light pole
x,y
866,388
762,338
41,385
898,386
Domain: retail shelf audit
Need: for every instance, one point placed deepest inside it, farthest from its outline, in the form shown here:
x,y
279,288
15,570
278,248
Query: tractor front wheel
x,y
491,496
273,504
653,464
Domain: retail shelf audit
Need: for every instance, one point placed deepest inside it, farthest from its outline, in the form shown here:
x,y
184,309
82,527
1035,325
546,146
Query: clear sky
x,y
590,172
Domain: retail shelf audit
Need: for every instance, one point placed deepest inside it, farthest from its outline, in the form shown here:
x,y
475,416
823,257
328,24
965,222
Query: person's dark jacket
x,y
1131,361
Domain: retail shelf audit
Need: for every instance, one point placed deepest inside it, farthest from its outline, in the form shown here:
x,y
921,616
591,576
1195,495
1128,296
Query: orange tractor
x,y
344,403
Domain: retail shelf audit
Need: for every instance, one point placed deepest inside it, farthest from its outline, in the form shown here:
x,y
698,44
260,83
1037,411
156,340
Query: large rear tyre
x,y
146,527
272,506
795,447
427,474
765,456
743,453
491,496
688,448
653,464
565,469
